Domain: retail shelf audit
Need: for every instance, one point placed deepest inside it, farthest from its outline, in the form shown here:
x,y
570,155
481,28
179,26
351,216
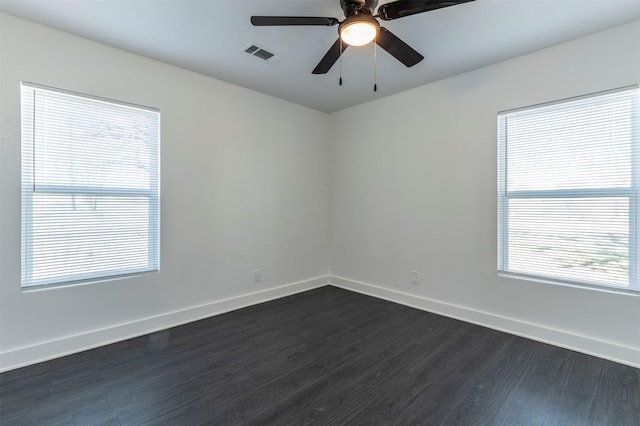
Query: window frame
x,y
504,195
29,188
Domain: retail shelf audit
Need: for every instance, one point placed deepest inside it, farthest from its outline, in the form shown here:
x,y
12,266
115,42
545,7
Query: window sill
x,y
584,286
67,284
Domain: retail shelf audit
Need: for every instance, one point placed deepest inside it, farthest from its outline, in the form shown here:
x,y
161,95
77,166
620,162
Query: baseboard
x,y
588,345
20,357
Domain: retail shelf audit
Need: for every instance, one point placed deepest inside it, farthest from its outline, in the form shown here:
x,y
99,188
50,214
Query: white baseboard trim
x,y
564,339
23,356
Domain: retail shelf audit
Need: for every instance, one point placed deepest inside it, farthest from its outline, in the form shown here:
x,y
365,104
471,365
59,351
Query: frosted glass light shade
x,y
359,32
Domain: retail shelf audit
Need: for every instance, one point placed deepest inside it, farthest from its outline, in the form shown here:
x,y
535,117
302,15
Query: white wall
x,y
244,186
415,189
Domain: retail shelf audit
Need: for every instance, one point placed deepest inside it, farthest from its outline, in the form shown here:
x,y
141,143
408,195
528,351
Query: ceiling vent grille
x,y
262,53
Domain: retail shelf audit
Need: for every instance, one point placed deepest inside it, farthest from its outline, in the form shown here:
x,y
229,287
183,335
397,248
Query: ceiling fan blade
x,y
269,21
330,58
398,48
402,8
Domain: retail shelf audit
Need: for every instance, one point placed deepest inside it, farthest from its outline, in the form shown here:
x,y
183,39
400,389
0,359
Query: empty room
x,y
287,212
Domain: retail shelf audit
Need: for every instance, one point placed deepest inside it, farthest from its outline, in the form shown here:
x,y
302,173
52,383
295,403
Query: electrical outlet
x,y
257,275
415,277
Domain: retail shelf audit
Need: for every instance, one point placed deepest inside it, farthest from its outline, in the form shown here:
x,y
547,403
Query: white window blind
x,y
89,187
568,184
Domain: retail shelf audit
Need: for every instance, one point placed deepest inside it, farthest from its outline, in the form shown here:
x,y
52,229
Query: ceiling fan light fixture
x,y
359,30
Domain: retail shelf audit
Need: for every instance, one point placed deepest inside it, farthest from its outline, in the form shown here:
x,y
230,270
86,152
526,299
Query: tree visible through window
x,y
89,187
568,190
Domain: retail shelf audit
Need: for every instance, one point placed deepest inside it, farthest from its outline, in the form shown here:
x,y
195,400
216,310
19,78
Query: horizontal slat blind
x,y
582,239
567,190
89,187
584,143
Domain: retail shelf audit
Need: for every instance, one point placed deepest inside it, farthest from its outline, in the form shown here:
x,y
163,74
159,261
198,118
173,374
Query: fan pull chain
x,y
375,64
340,81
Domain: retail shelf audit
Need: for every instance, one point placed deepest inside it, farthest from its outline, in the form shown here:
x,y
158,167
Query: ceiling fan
x,y
361,27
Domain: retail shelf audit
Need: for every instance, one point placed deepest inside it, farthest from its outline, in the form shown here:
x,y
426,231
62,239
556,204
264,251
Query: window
x,y
568,183
89,187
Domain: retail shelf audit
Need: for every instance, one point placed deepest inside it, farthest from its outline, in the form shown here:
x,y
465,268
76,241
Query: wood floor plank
x,y
326,357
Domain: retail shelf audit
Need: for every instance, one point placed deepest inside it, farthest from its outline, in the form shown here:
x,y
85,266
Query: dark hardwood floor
x,y
326,356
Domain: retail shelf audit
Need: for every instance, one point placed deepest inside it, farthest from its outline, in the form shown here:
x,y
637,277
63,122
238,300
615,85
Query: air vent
x,y
262,53
251,49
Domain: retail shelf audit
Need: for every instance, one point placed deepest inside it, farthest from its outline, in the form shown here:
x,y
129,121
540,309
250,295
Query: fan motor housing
x,y
358,7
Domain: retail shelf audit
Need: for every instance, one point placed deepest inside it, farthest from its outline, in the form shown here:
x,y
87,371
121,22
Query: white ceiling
x,y
208,36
